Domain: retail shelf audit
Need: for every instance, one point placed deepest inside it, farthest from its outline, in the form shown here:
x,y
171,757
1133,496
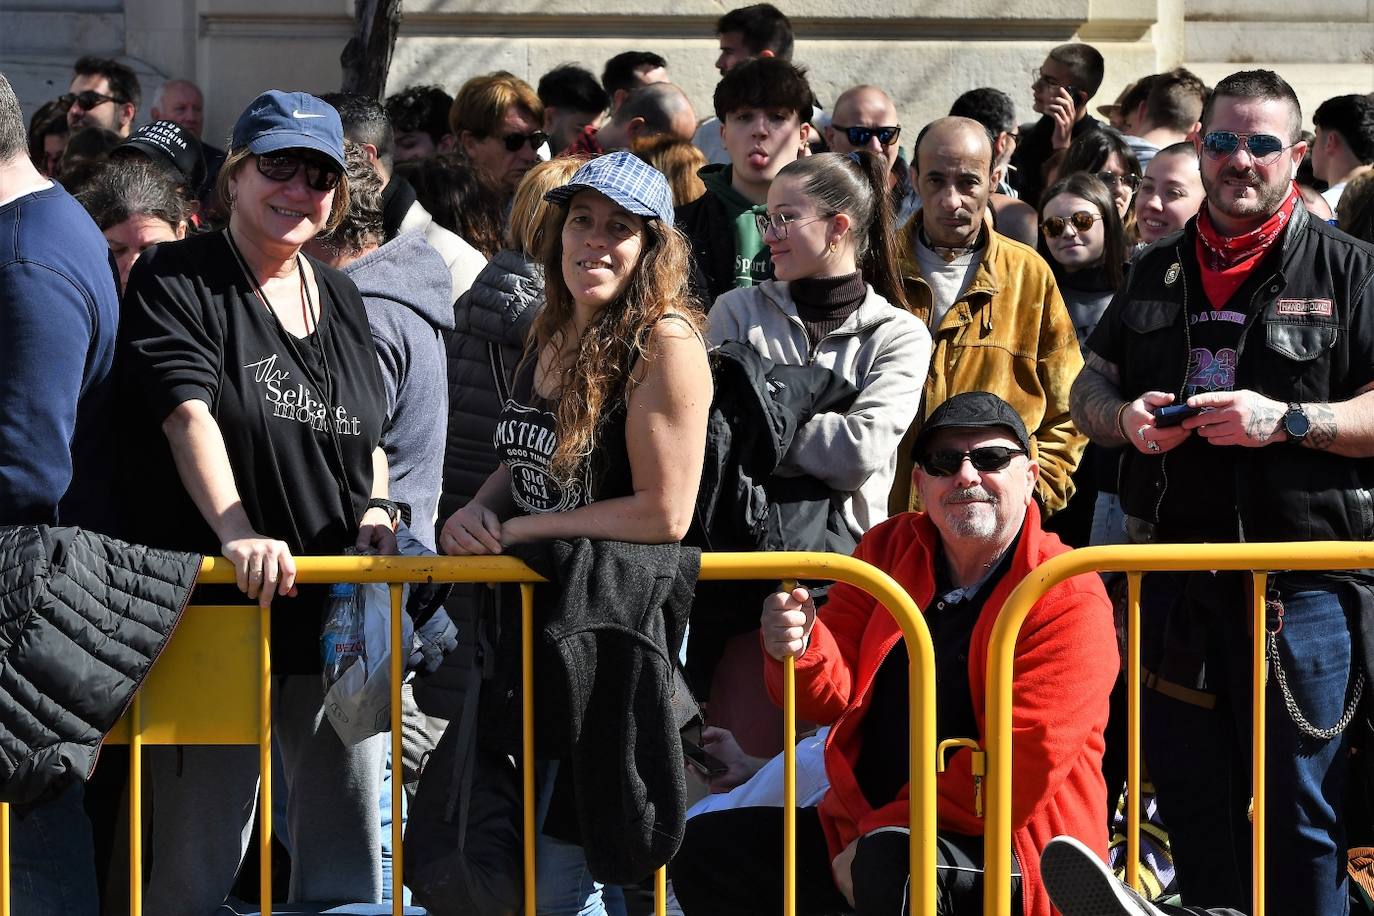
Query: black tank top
x,y
526,437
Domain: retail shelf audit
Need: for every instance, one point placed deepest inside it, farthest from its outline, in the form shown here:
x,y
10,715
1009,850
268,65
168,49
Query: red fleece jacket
x,y
1066,663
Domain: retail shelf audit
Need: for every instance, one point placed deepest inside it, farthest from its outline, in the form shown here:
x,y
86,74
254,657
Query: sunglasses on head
x,y
1081,221
985,459
88,99
535,139
1263,148
320,174
859,136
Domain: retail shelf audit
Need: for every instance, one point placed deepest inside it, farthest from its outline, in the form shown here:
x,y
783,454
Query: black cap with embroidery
x,y
972,409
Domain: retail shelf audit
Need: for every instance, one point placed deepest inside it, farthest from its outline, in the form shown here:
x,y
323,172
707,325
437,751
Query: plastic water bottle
x,y
341,641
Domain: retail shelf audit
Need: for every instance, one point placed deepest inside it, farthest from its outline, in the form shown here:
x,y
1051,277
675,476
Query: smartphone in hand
x,y
1174,414
702,761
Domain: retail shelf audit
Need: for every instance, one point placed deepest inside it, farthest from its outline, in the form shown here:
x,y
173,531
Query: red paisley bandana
x,y
1227,260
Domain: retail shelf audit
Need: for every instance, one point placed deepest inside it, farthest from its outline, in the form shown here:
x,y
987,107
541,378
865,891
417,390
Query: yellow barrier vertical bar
x,y
265,763
921,795
1133,730
4,860
661,891
398,651
1257,727
527,733
136,806
789,779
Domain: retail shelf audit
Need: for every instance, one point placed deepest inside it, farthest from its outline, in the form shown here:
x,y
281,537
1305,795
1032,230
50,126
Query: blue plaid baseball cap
x,y
625,179
279,120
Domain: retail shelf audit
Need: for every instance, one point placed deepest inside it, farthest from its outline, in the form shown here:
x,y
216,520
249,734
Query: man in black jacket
x,y
1254,324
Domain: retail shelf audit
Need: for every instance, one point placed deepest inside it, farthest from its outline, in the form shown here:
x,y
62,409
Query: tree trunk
x,y
367,56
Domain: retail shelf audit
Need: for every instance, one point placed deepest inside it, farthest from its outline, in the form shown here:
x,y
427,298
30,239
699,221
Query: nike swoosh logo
x,y
301,114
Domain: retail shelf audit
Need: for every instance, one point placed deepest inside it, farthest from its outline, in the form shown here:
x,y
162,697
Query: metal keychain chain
x,y
1290,702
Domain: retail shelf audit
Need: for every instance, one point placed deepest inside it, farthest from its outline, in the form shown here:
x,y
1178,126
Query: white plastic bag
x,y
358,704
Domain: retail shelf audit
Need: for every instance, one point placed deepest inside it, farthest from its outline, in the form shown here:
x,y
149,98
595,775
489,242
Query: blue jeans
x,y
564,884
1199,758
52,859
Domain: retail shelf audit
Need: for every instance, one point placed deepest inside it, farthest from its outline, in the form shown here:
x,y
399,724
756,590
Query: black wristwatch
x,y
392,509
1296,423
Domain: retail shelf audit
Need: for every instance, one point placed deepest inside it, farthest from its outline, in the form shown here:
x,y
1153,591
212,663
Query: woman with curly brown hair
x,y
603,432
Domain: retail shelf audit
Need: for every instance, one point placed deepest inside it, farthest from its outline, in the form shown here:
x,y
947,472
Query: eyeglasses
x,y
88,99
319,175
1113,181
985,459
779,222
536,139
1263,148
859,136
1081,221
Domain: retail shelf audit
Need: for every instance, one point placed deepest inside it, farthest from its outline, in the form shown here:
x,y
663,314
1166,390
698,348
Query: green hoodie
x,y
753,264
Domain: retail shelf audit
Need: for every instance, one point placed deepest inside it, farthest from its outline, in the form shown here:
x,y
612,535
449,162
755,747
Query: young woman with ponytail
x,y
837,302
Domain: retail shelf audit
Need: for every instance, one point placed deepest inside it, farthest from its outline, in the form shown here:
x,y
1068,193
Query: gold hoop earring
x,y
834,247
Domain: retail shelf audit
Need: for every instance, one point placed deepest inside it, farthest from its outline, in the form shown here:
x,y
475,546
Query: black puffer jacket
x,y
492,320
82,619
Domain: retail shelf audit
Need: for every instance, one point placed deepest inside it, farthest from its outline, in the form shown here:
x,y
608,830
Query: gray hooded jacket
x,y
406,288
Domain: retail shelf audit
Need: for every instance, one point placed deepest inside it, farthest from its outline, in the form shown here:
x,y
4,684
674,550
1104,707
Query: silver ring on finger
x,y
1141,432
1152,445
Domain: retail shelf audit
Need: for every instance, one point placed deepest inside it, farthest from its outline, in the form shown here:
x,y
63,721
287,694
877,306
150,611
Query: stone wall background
x,y
923,52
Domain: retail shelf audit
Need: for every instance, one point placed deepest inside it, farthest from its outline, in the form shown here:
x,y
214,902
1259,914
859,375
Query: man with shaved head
x,y
658,108
866,118
995,315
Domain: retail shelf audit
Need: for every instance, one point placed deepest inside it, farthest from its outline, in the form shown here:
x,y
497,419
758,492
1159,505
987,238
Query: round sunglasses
x,y
1263,148
1081,221
319,175
859,136
779,223
985,459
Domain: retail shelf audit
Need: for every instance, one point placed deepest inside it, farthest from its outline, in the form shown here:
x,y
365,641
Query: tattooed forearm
x,y
1263,422
1095,402
1322,434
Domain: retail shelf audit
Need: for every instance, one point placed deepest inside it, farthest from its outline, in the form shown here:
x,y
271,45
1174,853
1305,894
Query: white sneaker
x,y
1080,884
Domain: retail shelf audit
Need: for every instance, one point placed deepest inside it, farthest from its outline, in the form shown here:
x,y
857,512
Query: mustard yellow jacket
x,y
1011,335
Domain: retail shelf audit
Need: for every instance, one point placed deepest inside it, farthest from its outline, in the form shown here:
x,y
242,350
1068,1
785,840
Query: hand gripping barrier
x,y
173,707
1135,560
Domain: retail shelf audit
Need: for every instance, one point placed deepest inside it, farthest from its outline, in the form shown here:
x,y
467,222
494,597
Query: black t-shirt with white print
x,y
299,417
526,437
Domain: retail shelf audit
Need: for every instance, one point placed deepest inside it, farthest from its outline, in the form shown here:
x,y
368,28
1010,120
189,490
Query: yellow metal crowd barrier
x,y
1134,560
229,648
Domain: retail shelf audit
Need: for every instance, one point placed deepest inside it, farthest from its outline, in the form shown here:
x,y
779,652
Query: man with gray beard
x,y
978,537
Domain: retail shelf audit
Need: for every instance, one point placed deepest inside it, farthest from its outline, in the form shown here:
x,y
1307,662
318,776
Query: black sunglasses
x,y
985,459
535,139
1264,148
859,136
320,175
1081,221
88,99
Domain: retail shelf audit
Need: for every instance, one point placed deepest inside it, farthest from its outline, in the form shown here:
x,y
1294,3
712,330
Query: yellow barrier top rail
x,y
714,566
1135,558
